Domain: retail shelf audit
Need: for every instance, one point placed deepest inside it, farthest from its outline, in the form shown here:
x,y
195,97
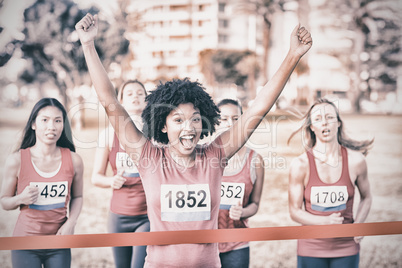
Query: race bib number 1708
x,y
329,198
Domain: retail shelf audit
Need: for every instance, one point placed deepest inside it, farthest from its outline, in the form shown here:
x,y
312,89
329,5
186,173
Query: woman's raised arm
x,y
234,138
129,135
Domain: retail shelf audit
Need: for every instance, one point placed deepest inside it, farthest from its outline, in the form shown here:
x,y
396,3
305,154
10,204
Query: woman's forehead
x,y
322,109
185,108
229,109
50,111
133,87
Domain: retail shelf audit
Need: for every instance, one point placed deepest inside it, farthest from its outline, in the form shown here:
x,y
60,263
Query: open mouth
x,y
50,135
187,141
326,132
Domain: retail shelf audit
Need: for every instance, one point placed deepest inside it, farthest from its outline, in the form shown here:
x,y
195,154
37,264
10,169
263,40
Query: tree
x,y
265,9
52,48
378,47
373,28
225,67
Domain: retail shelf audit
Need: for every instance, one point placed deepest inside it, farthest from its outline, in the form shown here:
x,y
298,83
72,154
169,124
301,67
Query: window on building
x,y
222,7
157,8
177,38
172,68
157,54
185,22
223,23
223,38
178,8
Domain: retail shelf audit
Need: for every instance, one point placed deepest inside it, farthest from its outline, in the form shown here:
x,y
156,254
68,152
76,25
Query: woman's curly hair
x,y
167,96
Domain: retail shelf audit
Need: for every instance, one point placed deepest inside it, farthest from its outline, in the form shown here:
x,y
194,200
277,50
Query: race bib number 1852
x,y
185,202
52,195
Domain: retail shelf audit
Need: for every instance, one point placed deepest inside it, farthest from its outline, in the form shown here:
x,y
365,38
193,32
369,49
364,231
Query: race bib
x,y
123,161
185,202
52,195
231,194
329,198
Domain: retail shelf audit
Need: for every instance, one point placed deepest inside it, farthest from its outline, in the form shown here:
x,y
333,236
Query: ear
x,y
33,126
164,130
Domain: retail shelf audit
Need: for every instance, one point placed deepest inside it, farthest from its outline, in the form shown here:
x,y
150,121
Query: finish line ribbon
x,y
200,236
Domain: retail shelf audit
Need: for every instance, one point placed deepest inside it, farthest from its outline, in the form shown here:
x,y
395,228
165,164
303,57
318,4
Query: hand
x,y
87,29
335,218
236,211
66,229
29,195
358,239
300,41
118,180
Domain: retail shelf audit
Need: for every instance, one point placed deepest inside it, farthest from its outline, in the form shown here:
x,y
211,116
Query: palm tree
x,y
378,25
266,10
376,44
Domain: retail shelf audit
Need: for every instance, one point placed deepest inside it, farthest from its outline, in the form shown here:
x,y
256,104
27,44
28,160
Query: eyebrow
x,y
231,116
177,113
320,115
50,116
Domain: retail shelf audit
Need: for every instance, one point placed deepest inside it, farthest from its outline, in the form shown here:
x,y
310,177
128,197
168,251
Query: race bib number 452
x,y
329,198
52,195
185,202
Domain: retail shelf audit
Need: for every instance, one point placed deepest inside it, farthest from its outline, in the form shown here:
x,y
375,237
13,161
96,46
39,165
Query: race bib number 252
x,y
185,202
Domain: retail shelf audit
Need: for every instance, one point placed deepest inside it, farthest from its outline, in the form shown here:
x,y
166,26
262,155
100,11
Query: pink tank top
x,y
324,199
130,198
181,198
233,187
49,213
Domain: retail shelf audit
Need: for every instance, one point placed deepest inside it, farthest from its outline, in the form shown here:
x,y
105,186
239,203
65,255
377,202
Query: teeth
x,y
188,137
187,141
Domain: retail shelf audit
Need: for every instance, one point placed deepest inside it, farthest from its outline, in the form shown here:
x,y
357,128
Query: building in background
x,y
174,32
346,63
